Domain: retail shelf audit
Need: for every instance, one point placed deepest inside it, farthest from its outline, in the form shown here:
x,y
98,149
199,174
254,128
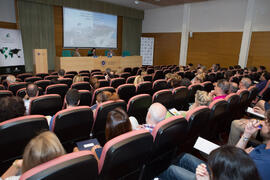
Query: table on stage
x,y
116,63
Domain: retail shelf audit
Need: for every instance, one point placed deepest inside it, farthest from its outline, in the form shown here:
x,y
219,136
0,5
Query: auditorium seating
x,y
84,71
81,86
85,74
43,84
165,97
32,79
192,91
15,134
42,75
147,78
46,104
85,98
233,100
72,72
123,157
115,82
138,107
126,91
67,81
71,76
99,90
22,92
130,79
134,71
168,135
54,73
72,125
244,95
24,76
127,69
2,87
207,86
60,89
144,88
14,87
103,83
95,70
252,94
180,95
100,118
77,165
5,93
50,77
99,76
159,85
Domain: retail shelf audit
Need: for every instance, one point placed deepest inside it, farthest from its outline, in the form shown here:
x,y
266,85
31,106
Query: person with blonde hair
x,y
78,78
43,148
138,80
201,99
11,79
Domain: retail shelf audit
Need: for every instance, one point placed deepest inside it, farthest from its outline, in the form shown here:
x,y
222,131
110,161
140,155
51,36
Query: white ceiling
x,y
130,3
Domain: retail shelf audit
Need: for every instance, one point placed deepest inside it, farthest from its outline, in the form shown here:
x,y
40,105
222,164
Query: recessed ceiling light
x,y
136,2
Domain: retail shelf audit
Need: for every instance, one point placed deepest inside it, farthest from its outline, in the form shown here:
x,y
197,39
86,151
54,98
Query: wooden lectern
x,y
40,60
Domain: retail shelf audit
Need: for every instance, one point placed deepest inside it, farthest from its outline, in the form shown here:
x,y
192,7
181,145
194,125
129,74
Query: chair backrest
x,y
126,91
46,104
95,70
85,98
22,92
15,134
60,89
207,86
100,118
84,74
50,77
123,157
144,88
233,100
72,124
99,90
71,76
99,76
72,72
168,135
5,93
2,87
134,71
150,70
42,75
125,75
43,84
67,81
103,83
138,107
147,78
160,85
84,71
165,97
192,91
76,165
14,87
130,79
115,82
32,79
96,73
158,74
24,75
180,96
81,86
244,95
54,73
189,75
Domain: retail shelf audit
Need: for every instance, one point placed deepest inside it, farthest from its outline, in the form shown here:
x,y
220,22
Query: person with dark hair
x,y
233,87
228,75
31,92
185,82
103,97
11,107
109,74
175,83
94,83
92,52
262,69
221,89
263,81
61,73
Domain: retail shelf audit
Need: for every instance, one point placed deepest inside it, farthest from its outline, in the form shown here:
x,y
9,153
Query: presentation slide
x,y
86,29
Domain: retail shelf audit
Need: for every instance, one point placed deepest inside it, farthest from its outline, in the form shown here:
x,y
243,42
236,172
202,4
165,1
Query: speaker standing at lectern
x,y
92,52
76,53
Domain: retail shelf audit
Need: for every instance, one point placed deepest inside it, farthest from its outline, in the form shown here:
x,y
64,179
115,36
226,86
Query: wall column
x,y
185,35
244,51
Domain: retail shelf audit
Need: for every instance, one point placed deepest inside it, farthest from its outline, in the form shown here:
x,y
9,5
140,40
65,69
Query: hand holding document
x,y
205,146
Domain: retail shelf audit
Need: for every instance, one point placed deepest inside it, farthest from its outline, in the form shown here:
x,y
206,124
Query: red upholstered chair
x,y
86,78
60,89
158,74
192,91
46,104
150,70
123,157
253,92
99,76
233,100
84,71
15,134
244,95
43,84
5,93
207,86
72,72
125,75
71,76
115,82
165,97
95,70
99,90
147,78
180,98
22,92
127,69
126,91
14,87
130,79
144,88
67,81
32,79
168,135
54,73
134,71
81,86
42,75
85,98
50,77
138,107
198,125
103,83
2,87
84,74
76,165
189,75
24,75
160,85
72,125
100,118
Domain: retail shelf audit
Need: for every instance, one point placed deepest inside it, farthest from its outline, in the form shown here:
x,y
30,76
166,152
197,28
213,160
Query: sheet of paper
x,y
251,111
205,145
174,112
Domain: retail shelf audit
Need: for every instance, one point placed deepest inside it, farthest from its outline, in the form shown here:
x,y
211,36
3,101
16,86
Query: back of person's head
x,y
262,68
231,67
199,78
138,80
61,72
223,85
44,147
266,75
202,98
245,82
175,83
32,90
253,69
108,70
233,87
72,97
11,107
106,96
168,76
156,113
185,82
143,73
78,78
94,82
117,123
228,75
11,79
231,163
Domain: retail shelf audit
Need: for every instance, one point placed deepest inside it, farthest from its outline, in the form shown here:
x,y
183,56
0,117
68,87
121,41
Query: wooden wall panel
x,y
58,35
259,52
166,47
209,48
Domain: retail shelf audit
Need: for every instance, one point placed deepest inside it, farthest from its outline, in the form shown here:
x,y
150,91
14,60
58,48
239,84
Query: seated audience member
x,y
61,74
198,79
138,79
225,162
11,79
72,99
175,83
263,81
201,99
31,92
245,83
94,83
228,75
117,123
261,107
103,97
221,89
44,147
262,69
233,87
92,52
76,53
185,82
109,74
78,78
11,107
